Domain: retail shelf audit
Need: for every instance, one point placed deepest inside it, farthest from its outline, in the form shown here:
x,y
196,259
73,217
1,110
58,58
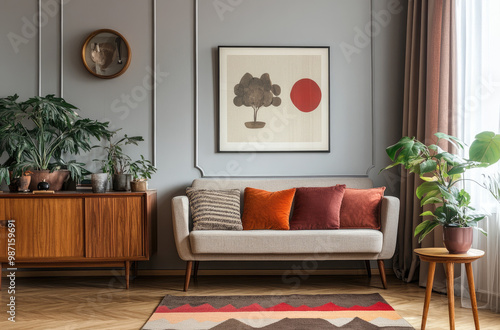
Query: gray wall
x,y
365,108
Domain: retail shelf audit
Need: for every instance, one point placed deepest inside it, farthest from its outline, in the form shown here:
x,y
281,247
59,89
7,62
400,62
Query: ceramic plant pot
x,y
55,179
138,186
24,183
457,240
121,182
99,182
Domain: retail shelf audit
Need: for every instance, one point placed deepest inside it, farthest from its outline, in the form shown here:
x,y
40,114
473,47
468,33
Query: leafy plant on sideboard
x,y
38,133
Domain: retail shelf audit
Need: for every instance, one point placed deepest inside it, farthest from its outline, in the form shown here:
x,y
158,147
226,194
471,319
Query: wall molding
x,y
196,90
154,133
39,47
372,95
196,103
61,86
61,68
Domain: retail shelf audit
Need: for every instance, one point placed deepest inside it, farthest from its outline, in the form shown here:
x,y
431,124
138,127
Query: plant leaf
x,y
425,188
427,166
485,148
431,200
453,140
421,227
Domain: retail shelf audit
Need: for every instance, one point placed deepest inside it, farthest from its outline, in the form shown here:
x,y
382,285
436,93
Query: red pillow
x,y
266,210
361,208
317,208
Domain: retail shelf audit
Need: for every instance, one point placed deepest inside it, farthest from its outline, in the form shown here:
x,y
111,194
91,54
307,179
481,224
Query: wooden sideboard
x,y
78,229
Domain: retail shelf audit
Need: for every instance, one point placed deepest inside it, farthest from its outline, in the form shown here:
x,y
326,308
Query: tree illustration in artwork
x,y
256,93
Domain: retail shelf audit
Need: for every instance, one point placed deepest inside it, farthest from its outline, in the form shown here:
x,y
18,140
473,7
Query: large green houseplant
x,y
39,133
442,175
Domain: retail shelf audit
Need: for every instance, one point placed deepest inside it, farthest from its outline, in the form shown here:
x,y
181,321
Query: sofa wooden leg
x,y
382,273
368,268
189,267
195,271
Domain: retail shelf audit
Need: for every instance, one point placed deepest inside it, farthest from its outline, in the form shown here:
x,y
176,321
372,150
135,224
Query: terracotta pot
x,y
137,186
457,240
55,179
24,182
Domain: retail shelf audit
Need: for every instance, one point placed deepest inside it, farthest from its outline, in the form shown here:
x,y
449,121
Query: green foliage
x,y
117,161
441,171
37,133
4,175
142,169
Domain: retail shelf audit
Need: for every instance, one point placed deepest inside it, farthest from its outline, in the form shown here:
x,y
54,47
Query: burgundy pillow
x,y
361,208
317,208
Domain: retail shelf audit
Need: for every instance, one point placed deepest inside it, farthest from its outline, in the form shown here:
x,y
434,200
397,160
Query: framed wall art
x,y
274,99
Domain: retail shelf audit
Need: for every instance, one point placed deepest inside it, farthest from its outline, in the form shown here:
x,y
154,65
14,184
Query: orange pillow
x,y
267,210
361,208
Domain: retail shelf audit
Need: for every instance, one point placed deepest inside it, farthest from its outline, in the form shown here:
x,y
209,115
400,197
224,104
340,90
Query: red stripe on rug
x,y
282,307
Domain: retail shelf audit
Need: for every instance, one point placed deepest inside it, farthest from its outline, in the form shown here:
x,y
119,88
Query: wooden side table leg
x,y
127,273
428,293
0,276
451,294
472,291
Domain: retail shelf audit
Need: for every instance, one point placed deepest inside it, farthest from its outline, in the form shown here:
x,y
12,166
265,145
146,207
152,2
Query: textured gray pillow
x,y
215,209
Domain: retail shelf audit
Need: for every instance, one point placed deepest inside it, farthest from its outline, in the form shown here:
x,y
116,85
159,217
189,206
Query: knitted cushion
x,y
215,209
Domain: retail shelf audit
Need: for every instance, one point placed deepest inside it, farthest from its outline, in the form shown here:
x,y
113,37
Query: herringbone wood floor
x,y
103,303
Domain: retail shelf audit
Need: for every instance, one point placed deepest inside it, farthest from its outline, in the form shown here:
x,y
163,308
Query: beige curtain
x,y
429,107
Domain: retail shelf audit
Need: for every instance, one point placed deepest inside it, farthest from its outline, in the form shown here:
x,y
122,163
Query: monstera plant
x,y
38,134
442,174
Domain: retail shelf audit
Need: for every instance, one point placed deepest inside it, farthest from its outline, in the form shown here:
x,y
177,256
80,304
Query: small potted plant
x,y
441,173
141,171
24,181
117,162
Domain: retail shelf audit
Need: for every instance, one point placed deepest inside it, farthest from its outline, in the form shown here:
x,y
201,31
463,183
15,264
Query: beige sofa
x,y
341,244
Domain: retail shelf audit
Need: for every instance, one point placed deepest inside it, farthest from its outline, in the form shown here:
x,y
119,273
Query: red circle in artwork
x,y
306,95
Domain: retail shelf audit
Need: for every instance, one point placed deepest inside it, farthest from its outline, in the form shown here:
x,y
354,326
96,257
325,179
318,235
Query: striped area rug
x,y
311,312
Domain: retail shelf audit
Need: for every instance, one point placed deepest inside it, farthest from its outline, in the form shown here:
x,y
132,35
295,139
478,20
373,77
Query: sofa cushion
x,y
215,209
317,208
361,208
267,210
286,242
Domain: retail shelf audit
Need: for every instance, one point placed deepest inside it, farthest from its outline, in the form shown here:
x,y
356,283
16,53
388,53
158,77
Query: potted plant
x,y
24,181
117,162
442,175
37,133
141,171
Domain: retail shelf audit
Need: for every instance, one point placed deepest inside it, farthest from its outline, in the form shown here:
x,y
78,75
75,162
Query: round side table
x,y
441,255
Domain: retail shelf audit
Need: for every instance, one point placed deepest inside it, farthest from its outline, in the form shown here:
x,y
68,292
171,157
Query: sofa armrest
x,y
389,222
180,221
